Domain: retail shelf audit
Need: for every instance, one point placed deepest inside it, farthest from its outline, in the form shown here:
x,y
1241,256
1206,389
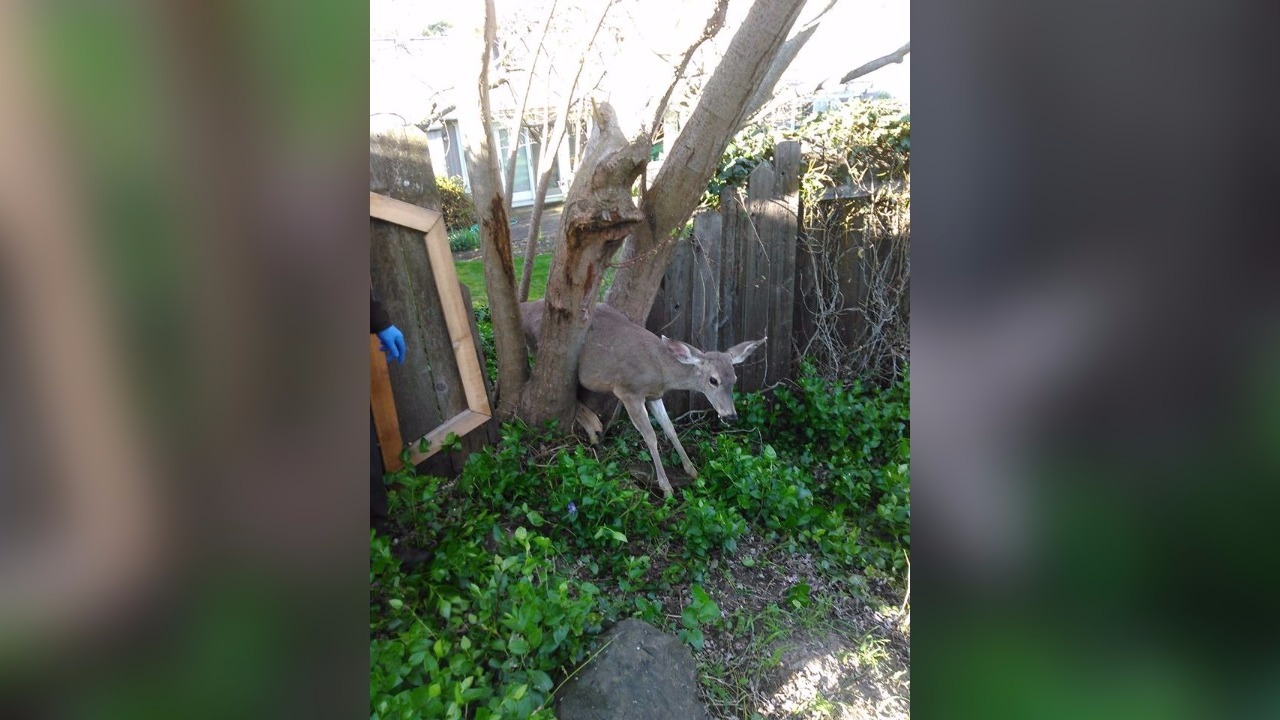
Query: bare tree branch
x,y
561,119
694,154
713,26
867,68
513,130
783,60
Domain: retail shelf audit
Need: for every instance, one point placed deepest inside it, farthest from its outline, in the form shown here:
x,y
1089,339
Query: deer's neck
x,y
682,377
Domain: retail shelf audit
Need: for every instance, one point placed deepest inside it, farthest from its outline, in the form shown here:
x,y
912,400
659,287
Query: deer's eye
x,y
714,382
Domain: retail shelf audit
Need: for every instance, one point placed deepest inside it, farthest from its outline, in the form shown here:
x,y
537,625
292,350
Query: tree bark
x,y
696,153
786,54
598,215
475,125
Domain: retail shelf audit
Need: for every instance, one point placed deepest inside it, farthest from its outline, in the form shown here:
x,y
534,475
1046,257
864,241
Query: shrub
x,y
851,142
463,240
455,203
856,441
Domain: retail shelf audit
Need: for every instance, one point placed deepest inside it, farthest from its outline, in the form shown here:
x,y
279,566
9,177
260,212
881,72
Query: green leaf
x,y
446,608
518,645
396,603
541,681
535,518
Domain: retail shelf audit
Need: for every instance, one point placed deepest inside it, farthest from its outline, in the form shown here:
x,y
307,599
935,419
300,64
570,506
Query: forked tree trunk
x,y
598,214
476,127
696,152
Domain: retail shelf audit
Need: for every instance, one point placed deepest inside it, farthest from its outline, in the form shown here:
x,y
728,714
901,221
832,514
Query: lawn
x,y
471,273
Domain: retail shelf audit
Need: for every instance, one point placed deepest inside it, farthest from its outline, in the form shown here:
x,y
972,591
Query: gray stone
x,y
643,674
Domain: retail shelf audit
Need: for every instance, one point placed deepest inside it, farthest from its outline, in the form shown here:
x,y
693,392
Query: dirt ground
x,y
843,652
840,651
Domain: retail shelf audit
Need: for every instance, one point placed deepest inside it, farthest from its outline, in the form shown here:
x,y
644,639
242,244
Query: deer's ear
x,y
682,352
739,352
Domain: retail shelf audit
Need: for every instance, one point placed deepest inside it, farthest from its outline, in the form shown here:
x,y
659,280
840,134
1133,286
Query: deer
x,y
627,361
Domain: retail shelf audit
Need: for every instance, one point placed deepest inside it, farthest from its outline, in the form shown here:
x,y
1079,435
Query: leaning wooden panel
x,y
458,325
457,318
385,421
460,424
402,213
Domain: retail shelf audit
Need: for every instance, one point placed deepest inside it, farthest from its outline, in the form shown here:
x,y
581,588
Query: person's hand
x,y
393,344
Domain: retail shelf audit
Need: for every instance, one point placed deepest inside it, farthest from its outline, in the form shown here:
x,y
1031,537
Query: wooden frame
x,y
381,401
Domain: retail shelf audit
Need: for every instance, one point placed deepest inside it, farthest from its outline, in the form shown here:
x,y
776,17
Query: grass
x,y
471,273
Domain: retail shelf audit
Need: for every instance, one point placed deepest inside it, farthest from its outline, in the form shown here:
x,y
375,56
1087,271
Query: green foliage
x,y
456,205
538,544
465,239
701,610
851,143
484,324
858,443
476,633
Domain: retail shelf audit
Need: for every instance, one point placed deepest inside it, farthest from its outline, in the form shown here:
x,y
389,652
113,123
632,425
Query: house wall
x,y
450,158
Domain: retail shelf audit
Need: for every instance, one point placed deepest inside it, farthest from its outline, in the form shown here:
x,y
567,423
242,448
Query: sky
x,y
852,33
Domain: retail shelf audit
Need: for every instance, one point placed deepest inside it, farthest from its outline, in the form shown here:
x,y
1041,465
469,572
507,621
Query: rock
x,y
643,674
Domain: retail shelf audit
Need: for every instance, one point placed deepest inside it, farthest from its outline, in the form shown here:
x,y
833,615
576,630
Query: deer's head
x,y
715,377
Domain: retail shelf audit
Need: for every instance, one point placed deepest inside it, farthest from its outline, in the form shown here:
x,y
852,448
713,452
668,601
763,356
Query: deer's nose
x,y
730,418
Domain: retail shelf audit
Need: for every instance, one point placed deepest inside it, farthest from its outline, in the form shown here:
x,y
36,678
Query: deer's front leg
x,y
640,418
660,411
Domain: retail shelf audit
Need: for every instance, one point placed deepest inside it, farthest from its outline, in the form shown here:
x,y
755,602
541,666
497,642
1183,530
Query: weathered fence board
x,y
787,229
704,332
755,272
743,268
752,273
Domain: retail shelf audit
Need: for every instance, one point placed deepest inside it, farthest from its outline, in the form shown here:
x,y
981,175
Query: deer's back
x,y
617,353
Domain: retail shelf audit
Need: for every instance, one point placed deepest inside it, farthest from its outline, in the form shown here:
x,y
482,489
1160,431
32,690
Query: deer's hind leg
x,y
660,411
640,418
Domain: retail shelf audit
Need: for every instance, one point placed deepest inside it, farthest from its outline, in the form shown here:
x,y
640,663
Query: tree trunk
x,y
475,125
782,60
598,214
695,154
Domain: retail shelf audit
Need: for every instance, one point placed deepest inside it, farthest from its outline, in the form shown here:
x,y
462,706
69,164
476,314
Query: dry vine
x,y
856,240
867,335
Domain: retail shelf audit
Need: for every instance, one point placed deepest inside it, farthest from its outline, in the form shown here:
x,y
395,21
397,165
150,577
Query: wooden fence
x,y
744,274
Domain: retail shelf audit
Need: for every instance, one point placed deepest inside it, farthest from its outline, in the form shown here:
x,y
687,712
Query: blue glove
x,y
393,343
